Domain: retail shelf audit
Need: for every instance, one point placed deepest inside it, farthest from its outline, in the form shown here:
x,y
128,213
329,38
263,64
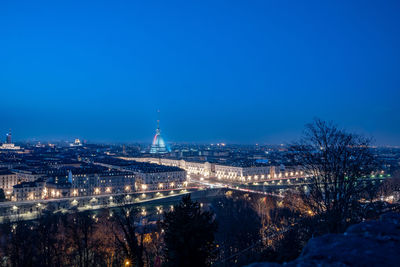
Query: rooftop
x,y
5,171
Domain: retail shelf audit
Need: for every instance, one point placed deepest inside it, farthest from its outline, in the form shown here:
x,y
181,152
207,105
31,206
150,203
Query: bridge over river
x,y
204,191
30,210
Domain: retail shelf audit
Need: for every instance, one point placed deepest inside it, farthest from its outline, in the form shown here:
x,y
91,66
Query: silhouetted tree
x,y
335,160
19,243
189,234
108,249
49,247
126,235
239,237
153,245
2,195
80,228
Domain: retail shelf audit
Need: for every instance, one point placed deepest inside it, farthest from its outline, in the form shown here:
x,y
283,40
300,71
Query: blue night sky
x,y
231,71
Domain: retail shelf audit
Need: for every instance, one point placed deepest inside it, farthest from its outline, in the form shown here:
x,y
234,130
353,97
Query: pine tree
x,y
189,234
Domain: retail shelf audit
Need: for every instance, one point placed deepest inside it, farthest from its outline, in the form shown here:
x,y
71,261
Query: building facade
x,y
7,180
235,172
29,191
160,180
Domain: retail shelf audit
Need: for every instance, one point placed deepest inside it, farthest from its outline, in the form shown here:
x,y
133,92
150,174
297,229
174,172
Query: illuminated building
x,y
7,180
55,190
234,171
26,175
153,180
241,172
149,176
8,138
8,145
29,191
159,146
77,142
95,182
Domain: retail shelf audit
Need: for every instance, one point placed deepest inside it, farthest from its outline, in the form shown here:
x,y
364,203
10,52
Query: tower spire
x,y
158,122
158,119
8,139
159,146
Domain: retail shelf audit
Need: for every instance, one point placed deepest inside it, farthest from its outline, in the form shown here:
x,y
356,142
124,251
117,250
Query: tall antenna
x,y
158,119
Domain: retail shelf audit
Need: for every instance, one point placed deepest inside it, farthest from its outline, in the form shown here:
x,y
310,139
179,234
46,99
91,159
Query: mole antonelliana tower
x,y
159,146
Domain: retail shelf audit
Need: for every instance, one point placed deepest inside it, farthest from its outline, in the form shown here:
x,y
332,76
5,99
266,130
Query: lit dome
x,y
159,146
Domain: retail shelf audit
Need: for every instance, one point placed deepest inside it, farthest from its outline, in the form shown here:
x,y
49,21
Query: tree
x,y
2,195
80,228
126,236
336,161
19,243
239,238
189,234
48,245
110,251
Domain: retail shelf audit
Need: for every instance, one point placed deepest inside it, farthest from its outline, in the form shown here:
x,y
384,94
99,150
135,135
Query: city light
x,y
81,87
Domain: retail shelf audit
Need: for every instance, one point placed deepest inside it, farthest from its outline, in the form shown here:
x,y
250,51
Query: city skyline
x,y
199,133
149,142
234,72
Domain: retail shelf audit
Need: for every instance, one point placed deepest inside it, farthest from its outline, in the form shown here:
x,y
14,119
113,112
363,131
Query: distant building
x,y
239,171
77,142
8,145
242,172
159,146
148,176
8,138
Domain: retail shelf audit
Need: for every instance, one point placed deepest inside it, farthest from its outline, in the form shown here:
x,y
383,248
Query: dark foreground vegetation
x,y
370,243
234,230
